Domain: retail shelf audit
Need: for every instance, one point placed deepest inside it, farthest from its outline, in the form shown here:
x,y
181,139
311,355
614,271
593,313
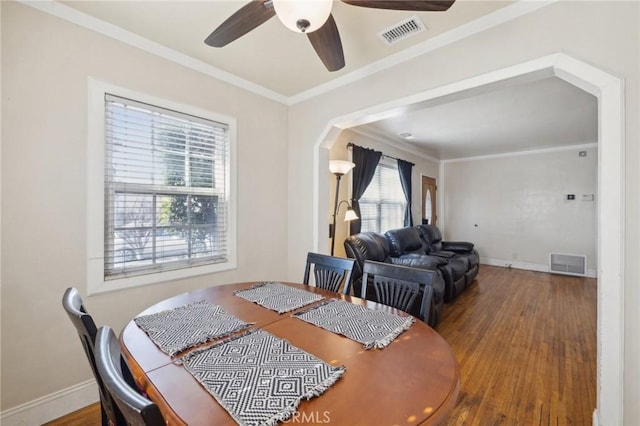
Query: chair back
x,y
136,409
400,286
329,272
86,328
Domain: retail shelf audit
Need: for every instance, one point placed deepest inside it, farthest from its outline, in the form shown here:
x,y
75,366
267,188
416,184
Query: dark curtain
x,y
366,161
404,168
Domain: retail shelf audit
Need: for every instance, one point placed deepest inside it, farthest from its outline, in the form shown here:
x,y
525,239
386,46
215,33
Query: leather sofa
x,y
408,242
459,250
457,263
374,246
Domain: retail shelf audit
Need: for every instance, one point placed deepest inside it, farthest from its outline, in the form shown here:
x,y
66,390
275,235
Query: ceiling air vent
x,y
402,30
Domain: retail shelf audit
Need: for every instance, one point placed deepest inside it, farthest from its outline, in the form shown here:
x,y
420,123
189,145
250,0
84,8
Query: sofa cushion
x,y
367,246
457,246
416,260
404,240
431,236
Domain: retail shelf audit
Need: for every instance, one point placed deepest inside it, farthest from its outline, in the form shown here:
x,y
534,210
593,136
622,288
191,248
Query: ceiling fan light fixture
x,y
303,16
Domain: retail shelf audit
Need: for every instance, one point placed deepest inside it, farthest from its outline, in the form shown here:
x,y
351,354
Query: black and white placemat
x,y
259,378
177,329
372,328
278,297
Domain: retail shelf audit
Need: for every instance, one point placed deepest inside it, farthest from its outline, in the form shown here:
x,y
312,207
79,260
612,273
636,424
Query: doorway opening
x,y
609,90
429,201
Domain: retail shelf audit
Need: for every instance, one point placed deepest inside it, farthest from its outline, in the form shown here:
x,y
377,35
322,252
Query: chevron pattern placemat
x,y
278,297
259,378
374,329
177,329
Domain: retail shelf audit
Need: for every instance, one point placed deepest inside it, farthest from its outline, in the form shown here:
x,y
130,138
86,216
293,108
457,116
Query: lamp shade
x,y
350,215
340,167
303,16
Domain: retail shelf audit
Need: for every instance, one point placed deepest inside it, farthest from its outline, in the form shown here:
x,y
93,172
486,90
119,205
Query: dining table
x,y
413,380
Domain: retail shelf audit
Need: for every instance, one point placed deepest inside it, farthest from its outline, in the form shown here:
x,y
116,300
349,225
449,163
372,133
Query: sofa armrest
x,y
443,253
457,246
419,261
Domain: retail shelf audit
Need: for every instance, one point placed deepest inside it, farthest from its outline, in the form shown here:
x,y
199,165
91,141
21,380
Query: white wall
x,y
45,66
45,63
514,208
604,34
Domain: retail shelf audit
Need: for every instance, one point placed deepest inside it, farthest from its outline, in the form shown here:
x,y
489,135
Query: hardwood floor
x,y
88,416
526,344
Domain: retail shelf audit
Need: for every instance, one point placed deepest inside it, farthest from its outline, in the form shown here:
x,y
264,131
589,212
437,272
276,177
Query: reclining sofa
x,y
456,263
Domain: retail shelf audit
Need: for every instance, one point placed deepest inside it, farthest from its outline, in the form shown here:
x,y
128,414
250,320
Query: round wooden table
x,y
415,380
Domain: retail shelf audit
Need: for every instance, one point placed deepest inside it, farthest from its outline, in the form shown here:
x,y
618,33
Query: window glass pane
x,y
165,189
382,205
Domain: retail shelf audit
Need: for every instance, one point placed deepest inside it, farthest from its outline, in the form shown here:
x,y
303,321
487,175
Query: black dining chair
x,y
329,272
400,286
135,408
86,328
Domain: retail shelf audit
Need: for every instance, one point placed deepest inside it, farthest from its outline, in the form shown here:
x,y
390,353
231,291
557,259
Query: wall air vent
x,y
402,30
568,264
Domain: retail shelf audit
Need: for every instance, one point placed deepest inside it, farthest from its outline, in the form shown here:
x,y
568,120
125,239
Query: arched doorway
x,y
608,89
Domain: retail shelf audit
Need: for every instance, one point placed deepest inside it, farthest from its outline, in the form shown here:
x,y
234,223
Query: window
x,y
167,210
382,204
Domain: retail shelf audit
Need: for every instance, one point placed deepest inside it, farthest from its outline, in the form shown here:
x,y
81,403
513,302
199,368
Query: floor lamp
x,y
339,168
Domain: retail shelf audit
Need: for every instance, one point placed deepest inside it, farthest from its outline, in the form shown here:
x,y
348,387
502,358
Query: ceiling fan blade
x,y
244,20
415,5
326,42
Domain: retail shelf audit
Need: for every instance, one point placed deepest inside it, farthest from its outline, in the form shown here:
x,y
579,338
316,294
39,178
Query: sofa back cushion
x,y
431,236
361,247
404,240
366,246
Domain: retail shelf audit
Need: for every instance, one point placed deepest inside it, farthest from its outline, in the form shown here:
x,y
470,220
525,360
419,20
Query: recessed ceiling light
x,y
406,135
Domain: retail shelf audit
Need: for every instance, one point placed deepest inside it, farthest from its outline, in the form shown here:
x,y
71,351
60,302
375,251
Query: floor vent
x,y
568,264
402,30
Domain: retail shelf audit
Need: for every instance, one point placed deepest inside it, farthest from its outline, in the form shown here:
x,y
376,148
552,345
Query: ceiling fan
x,y
312,17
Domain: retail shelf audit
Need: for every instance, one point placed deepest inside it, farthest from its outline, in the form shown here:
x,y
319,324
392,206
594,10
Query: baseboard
x,y
52,406
538,267
596,421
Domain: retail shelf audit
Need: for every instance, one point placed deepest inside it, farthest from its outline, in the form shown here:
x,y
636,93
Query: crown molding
x,y
70,14
394,144
508,13
523,153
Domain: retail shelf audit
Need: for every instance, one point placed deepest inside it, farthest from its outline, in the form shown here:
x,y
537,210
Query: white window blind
x,y
382,204
166,193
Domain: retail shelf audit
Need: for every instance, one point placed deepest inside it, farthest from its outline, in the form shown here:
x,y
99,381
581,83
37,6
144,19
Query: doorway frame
x,y
609,90
436,182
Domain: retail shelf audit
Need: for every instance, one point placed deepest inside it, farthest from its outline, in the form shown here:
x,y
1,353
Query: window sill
x,y
97,284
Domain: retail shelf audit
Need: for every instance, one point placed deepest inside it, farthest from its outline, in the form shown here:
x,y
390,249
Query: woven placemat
x,y
178,329
259,378
278,297
372,328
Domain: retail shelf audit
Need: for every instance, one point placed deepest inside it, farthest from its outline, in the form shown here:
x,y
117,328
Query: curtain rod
x,y
350,144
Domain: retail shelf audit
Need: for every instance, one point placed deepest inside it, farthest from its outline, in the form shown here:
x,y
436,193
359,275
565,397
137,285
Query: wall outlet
x,y
587,197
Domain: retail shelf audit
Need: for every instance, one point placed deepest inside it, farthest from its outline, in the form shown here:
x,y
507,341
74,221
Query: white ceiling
x,y
272,55
515,117
524,115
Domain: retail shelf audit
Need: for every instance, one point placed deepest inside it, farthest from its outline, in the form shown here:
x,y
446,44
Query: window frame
x,y
96,282
389,164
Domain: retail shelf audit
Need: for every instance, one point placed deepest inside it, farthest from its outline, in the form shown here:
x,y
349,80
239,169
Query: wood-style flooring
x,y
526,345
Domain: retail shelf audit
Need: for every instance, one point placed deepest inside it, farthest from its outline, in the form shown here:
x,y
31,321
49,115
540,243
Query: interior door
x,y
429,207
